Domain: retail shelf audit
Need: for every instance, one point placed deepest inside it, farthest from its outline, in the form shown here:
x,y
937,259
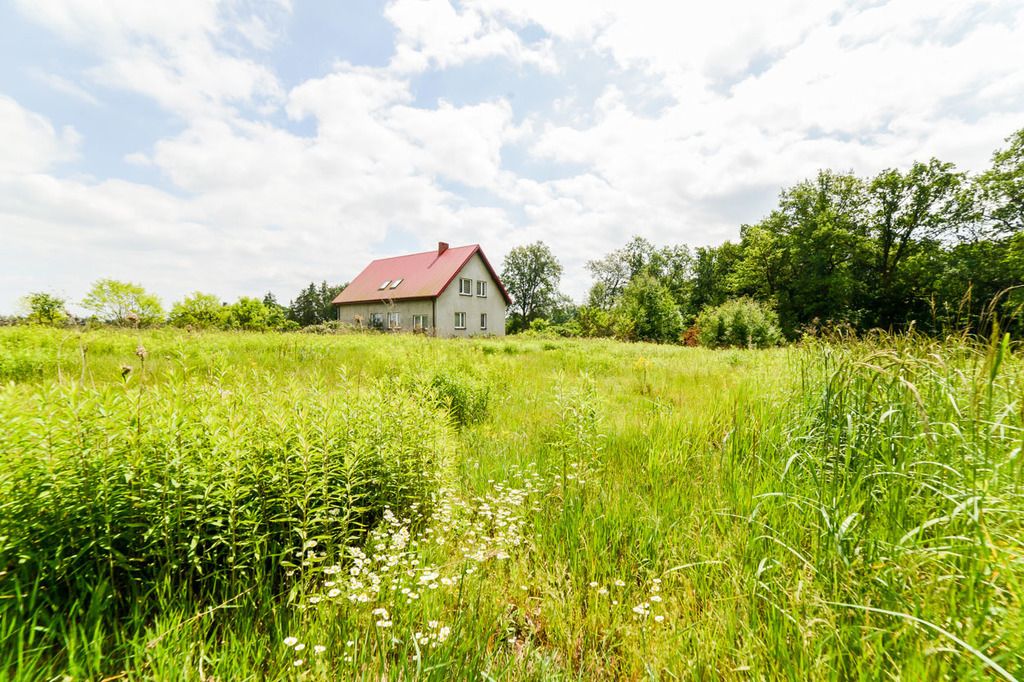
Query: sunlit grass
x,y
371,507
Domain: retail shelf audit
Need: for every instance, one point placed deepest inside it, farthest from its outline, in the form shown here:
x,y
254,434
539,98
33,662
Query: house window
x,y
394,321
460,320
465,286
481,288
377,320
384,285
421,322
394,285
483,320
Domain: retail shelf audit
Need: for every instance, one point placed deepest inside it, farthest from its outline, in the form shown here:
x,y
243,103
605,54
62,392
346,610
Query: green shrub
x,y
464,397
741,322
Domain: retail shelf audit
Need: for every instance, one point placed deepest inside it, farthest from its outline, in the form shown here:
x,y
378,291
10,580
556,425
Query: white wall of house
x,y
451,301
357,314
441,311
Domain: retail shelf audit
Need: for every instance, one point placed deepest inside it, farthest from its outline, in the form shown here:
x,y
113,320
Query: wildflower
x,y
603,591
593,583
298,662
620,583
290,641
655,598
314,600
300,647
334,592
432,624
350,642
443,633
659,618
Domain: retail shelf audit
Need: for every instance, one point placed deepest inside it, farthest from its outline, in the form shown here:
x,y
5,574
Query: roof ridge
x,y
423,253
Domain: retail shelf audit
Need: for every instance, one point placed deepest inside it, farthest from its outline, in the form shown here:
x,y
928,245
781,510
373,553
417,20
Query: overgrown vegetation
x,y
183,505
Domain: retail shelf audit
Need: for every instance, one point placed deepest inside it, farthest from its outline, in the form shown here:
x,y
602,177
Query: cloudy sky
x,y
243,146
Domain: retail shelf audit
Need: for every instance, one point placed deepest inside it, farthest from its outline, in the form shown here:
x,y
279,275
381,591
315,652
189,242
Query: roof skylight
x,y
385,285
395,284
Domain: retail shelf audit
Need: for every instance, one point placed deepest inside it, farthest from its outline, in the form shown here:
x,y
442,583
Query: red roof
x,y
423,275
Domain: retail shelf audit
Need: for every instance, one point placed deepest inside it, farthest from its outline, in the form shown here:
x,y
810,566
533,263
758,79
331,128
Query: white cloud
x,y
167,51
31,144
434,33
704,113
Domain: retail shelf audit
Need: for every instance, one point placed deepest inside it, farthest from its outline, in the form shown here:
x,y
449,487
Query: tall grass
x,y
566,510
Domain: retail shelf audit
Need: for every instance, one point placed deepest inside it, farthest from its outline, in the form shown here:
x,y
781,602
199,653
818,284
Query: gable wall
x,y
450,302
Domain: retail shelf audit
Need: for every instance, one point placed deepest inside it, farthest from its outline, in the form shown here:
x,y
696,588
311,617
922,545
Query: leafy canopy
x,y
123,303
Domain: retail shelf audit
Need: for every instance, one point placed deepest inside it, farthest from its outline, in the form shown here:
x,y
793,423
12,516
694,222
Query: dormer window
x,y
394,285
384,286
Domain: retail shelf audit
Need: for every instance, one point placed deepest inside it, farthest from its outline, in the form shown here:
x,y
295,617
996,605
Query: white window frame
x,y
481,288
395,283
483,321
466,290
384,286
397,320
462,317
421,322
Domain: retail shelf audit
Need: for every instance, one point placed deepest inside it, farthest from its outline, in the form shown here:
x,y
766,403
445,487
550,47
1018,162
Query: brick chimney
x,y
441,247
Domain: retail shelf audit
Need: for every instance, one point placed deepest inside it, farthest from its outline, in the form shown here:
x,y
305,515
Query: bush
x,y
464,398
741,323
647,312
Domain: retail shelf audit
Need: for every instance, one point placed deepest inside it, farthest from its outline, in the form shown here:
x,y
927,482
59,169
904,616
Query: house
x,y
448,292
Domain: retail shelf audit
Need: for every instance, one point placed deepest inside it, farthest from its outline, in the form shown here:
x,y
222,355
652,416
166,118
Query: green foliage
x,y
646,311
123,303
530,274
464,397
44,308
739,323
313,304
199,311
1002,187
676,510
250,314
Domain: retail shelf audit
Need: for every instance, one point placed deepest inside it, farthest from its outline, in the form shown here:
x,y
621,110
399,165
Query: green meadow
x,y
245,506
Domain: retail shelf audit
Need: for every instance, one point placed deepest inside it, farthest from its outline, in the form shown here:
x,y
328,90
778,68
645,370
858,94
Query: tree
x,y
198,310
712,267
531,274
647,312
908,212
1002,186
44,308
123,303
313,304
249,314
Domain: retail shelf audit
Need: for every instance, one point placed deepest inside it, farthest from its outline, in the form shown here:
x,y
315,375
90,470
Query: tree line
x,y
930,246
128,304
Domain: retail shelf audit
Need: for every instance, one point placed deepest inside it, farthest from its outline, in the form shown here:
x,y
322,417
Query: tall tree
x,y
123,303
531,274
908,212
1002,186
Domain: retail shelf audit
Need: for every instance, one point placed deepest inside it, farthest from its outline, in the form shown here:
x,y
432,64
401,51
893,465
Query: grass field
x,y
245,506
